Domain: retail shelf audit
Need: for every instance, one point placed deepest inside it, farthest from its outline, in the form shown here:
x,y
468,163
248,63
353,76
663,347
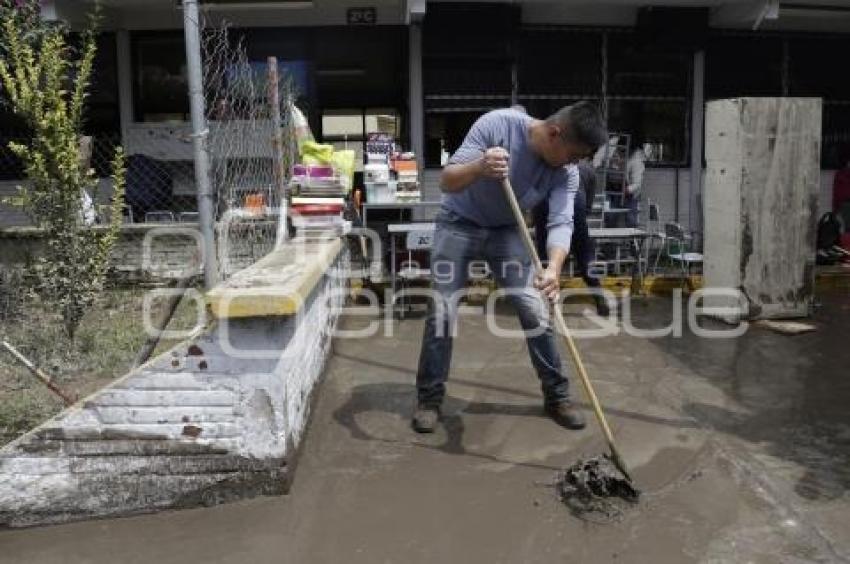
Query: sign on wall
x,y
362,16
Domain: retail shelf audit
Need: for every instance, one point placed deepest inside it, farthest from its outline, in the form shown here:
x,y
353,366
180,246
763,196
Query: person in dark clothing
x,y
581,245
635,168
841,192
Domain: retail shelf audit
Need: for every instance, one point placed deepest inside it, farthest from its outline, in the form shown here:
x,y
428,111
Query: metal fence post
x,y
277,149
200,132
695,220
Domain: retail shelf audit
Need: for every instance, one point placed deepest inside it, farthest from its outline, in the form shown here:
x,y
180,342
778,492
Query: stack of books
x,y
407,174
317,180
312,216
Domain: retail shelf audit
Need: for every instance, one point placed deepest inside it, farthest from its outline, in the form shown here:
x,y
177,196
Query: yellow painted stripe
x,y
277,285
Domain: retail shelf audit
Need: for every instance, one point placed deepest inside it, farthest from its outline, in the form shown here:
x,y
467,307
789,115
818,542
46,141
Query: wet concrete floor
x,y
741,445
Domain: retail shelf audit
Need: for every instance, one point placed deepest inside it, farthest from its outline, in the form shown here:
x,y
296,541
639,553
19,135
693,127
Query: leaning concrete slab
x,y
761,197
219,417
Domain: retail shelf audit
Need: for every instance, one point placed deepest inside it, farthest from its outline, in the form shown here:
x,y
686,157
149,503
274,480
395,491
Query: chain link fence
x,y
251,149
251,145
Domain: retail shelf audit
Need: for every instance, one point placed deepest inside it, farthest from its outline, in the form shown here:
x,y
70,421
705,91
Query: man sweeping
x,y
476,222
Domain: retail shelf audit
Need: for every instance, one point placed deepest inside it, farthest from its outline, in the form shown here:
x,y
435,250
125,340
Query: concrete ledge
x,y
152,252
278,284
29,231
219,417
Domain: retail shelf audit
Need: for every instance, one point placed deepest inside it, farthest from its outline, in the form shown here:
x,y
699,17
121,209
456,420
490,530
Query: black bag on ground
x,y
829,236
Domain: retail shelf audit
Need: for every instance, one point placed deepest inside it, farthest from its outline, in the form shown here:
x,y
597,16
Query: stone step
x,y
140,432
111,415
116,447
170,465
178,381
159,398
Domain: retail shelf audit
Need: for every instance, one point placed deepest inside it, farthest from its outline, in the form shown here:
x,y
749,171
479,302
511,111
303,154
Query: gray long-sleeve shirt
x,y
483,203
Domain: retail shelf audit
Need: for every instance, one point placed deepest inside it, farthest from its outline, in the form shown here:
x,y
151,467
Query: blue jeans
x,y
457,242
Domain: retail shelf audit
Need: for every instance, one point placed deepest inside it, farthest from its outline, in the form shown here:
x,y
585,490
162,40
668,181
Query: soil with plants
x,y
104,348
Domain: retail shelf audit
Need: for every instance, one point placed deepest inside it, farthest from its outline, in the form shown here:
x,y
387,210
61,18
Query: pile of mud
x,y
595,490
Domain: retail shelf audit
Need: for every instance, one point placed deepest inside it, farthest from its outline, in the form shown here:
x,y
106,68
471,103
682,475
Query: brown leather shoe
x,y
425,418
566,415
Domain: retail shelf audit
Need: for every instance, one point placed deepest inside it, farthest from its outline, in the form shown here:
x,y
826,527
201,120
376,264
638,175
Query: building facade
x,y
424,71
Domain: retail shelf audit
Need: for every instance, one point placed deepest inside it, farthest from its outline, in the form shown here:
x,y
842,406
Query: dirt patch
x,y
106,344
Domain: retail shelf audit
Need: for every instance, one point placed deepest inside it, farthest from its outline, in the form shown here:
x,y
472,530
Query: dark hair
x,y
581,122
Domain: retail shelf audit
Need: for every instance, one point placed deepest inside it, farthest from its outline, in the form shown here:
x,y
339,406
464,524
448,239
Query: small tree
x,y
45,81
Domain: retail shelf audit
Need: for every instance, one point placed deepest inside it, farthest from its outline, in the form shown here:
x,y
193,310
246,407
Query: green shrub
x,y
45,82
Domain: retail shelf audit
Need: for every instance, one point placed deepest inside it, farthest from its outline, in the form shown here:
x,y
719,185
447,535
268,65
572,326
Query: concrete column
x,y
416,93
125,82
695,206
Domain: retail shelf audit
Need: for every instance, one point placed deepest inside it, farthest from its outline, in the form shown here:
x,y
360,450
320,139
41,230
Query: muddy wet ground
x,y
742,448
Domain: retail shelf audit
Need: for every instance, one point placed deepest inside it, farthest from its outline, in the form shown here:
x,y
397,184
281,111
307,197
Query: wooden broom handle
x,y
559,316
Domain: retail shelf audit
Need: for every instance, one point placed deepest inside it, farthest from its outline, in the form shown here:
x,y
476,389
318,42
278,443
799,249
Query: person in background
x,y
635,168
841,191
581,244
